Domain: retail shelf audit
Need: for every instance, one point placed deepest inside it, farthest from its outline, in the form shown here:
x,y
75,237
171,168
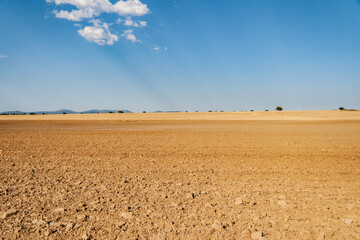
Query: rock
x,y
69,226
217,225
85,236
55,224
282,203
256,235
347,221
82,217
239,201
59,210
9,213
40,222
48,232
190,195
127,215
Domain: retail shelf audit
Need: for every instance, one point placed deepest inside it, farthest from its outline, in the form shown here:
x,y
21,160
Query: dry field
x,y
261,175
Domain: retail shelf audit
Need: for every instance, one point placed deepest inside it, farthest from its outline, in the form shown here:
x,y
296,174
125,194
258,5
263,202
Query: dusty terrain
x,y
285,175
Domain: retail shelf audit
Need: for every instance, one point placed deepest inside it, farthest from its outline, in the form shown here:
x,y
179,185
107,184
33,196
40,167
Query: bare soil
x,y
289,175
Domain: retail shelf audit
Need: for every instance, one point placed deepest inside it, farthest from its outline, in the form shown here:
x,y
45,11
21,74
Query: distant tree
x,y
120,111
278,108
144,111
251,110
341,108
266,110
186,111
32,113
196,111
210,110
81,113
110,112
43,113
64,112
222,111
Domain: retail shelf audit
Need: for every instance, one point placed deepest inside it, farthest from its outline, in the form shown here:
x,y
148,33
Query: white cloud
x,y
3,56
130,23
165,48
77,25
93,8
98,33
156,48
128,34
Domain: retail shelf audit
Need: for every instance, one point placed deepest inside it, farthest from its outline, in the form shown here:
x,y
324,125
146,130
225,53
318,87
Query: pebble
x,y
85,236
190,195
256,235
127,215
82,217
217,225
9,213
282,203
69,226
55,224
347,221
59,210
238,201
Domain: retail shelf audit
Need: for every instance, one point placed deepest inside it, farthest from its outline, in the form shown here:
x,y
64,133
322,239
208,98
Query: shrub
x,y
341,108
110,112
266,110
278,108
210,110
251,110
120,111
32,113
144,111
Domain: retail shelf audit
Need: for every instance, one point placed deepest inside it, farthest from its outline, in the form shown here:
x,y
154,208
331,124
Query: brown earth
x,y
286,175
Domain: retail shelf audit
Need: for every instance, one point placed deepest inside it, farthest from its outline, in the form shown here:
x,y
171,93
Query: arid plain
x,y
240,175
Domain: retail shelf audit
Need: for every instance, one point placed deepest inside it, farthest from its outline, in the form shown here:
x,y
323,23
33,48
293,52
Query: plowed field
x,y
288,175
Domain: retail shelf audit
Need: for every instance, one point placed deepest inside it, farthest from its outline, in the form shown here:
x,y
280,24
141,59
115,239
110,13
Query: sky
x,y
185,55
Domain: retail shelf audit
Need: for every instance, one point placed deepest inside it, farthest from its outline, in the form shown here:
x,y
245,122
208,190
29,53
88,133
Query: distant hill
x,y
61,111
166,111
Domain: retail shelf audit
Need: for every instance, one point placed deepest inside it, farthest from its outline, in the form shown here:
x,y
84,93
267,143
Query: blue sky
x,y
179,55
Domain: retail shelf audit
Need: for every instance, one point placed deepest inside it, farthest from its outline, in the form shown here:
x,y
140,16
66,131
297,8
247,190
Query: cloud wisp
x,y
130,23
3,56
128,34
93,8
99,31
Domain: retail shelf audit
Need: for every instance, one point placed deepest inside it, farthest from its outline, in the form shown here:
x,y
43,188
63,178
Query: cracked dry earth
x,y
179,179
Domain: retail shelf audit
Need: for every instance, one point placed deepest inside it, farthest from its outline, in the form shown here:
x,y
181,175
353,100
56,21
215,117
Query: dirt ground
x,y
286,175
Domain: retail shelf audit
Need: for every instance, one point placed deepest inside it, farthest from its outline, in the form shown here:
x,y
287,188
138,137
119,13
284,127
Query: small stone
x,y
282,203
347,221
82,217
256,235
217,225
40,222
55,224
48,232
238,201
127,215
190,195
69,226
85,236
59,210
9,213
